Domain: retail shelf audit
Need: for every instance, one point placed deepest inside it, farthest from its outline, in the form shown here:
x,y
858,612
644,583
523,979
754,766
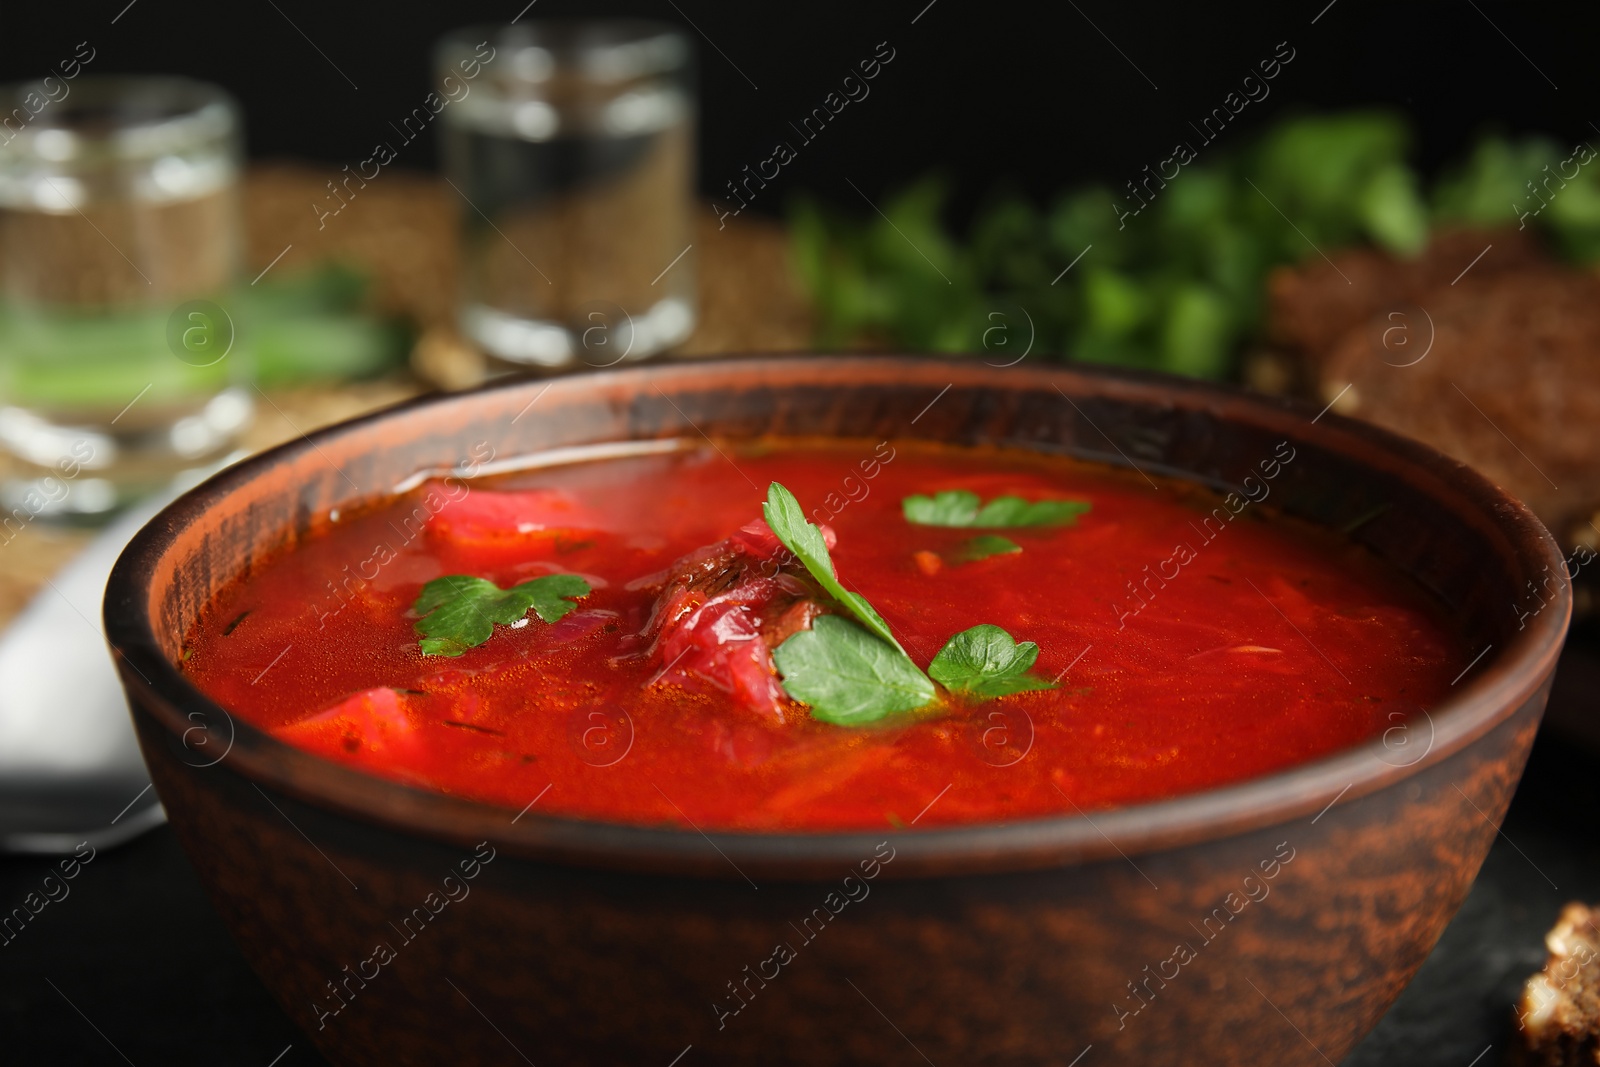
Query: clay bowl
x,y
1306,900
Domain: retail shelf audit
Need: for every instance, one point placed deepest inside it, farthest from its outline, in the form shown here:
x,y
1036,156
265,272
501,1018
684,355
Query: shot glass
x,y
571,148
120,240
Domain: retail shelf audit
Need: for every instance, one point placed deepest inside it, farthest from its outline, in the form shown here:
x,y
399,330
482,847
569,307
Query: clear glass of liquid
x,y
571,148
120,242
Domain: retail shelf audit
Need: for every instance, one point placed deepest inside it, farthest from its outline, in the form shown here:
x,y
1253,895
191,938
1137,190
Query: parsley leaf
x,y
986,662
985,545
954,507
459,611
848,676
962,507
788,522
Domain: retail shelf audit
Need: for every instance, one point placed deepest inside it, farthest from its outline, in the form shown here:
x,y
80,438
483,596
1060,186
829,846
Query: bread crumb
x,y
1559,1013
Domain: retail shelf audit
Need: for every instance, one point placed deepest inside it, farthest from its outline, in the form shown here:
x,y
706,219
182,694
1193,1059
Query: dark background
x,y
1027,94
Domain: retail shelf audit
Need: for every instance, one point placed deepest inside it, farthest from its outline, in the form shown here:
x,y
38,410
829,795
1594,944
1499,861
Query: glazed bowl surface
x,y
1270,921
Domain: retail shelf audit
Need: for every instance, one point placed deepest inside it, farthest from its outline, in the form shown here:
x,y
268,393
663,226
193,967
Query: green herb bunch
x,y
1179,286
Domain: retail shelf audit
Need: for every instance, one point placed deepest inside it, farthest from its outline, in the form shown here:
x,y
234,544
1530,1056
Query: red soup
x,y
810,636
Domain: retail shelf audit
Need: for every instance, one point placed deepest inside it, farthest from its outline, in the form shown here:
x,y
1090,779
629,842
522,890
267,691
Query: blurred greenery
x,y
1178,285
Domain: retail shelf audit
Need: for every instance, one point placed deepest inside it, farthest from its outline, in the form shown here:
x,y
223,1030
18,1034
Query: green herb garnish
x,y
985,545
986,662
851,675
848,676
962,507
459,612
788,522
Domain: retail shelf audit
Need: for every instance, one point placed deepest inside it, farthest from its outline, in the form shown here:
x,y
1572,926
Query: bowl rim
x,y
161,694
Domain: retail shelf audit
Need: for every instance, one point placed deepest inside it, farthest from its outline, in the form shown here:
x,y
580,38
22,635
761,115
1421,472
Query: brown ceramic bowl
x,y
1015,943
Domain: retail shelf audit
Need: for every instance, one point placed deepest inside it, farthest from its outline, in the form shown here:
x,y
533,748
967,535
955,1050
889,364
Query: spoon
x,y
70,768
